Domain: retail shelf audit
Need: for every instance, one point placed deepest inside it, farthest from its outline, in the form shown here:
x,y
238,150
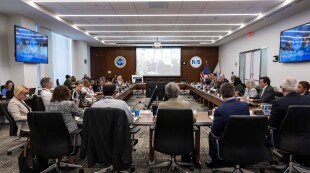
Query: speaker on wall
x,y
275,58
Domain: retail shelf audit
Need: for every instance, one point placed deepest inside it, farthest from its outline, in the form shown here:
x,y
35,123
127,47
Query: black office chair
x,y
243,142
50,138
294,135
37,104
106,139
15,126
57,82
174,136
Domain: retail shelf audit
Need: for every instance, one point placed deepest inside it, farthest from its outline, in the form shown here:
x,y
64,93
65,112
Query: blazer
x,y
267,97
224,111
175,103
280,106
19,110
106,138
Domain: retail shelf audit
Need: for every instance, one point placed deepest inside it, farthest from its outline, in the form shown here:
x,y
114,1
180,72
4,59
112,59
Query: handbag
x,y
28,162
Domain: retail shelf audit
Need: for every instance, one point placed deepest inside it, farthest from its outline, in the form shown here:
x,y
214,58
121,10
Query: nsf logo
x,y
120,62
195,62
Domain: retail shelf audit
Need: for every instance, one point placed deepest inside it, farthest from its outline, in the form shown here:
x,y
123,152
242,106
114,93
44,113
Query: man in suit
x,y
303,88
229,107
280,107
291,97
266,94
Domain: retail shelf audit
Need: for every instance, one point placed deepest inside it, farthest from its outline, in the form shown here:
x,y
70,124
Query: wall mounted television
x,y
295,44
30,46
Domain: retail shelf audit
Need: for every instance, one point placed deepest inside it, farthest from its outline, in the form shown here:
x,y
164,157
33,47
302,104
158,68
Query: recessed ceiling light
x,y
151,36
154,31
134,0
155,15
168,24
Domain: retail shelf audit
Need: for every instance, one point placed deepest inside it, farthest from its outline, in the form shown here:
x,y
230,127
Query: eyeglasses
x,y
24,93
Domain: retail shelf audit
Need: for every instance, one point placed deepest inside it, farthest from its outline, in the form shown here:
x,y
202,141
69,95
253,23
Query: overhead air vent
x,y
158,4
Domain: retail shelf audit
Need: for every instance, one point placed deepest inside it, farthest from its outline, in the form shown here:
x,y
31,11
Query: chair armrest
x,y
217,139
195,128
76,131
134,130
271,132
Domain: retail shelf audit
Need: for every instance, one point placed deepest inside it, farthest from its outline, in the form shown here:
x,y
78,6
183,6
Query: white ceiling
x,y
186,23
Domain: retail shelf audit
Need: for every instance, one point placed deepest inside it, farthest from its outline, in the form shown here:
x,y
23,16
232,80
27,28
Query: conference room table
x,y
147,119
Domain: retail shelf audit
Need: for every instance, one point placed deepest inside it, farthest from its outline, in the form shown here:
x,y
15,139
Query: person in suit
x,y
46,93
230,106
280,107
303,88
76,93
18,108
68,81
266,94
172,91
60,102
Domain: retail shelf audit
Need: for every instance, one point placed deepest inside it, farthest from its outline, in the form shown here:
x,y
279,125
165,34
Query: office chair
x,y
57,82
106,139
50,138
243,142
174,136
37,104
294,135
15,126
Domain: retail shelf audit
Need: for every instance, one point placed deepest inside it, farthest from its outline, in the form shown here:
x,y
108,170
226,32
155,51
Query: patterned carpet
x,y
9,164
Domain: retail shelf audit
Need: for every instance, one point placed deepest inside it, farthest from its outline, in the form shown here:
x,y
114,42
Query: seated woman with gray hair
x,y
172,91
250,90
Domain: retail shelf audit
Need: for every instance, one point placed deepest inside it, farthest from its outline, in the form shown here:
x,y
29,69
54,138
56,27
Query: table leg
x,y
151,147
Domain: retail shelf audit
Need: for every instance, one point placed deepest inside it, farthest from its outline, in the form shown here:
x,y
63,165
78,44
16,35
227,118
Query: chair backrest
x,y
9,117
174,131
49,135
37,103
243,141
106,133
57,82
294,132
2,86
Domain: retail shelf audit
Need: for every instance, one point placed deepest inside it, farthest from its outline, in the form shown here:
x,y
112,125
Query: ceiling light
x,y
168,24
134,0
152,36
160,40
154,31
155,15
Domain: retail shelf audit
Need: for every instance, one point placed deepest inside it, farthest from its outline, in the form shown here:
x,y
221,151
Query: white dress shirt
x,y
109,101
46,96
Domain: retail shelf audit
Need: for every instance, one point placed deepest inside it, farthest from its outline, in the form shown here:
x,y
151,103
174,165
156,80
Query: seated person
x,y
60,102
87,88
239,87
18,108
100,87
119,81
303,88
250,90
109,91
221,79
172,91
68,82
46,93
266,94
93,84
229,107
76,93
7,91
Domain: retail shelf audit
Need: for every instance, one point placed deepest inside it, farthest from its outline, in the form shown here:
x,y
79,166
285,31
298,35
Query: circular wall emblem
x,y
120,62
195,62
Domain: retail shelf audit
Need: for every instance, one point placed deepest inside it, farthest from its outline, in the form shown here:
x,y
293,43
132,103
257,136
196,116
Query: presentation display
x,y
30,46
158,62
295,44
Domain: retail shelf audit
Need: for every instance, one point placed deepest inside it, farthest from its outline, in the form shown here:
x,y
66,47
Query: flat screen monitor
x,y
30,46
295,44
137,79
158,61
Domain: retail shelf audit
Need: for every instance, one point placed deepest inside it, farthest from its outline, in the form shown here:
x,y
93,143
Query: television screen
x,y
158,61
30,46
295,44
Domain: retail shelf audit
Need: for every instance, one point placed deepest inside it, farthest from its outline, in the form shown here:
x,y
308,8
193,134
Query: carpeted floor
x,y
9,164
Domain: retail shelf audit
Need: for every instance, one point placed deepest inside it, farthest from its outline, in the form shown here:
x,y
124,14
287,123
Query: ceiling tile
x,y
122,5
198,5
232,4
158,11
125,11
94,11
87,5
267,3
190,11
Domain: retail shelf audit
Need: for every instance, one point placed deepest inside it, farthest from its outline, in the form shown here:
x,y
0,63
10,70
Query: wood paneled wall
x,y
102,61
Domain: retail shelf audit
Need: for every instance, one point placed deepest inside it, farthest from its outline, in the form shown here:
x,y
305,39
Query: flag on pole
x,y
204,72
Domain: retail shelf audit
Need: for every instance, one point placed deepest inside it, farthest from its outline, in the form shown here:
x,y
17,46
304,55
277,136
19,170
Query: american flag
x,y
204,72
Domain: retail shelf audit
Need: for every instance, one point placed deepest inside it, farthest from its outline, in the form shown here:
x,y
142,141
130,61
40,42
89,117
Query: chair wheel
x,y
81,170
9,153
